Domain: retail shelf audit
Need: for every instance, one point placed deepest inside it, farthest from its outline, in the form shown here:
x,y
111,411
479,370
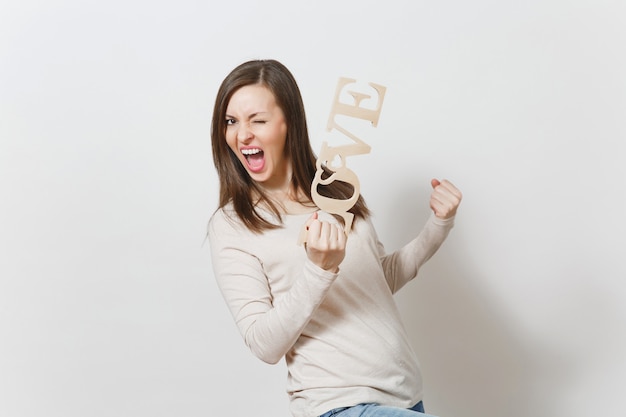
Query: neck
x,y
289,200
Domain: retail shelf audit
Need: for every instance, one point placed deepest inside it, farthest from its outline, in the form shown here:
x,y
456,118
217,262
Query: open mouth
x,y
254,158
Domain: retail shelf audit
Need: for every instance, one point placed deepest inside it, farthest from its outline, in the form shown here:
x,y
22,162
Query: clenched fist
x,y
445,198
325,243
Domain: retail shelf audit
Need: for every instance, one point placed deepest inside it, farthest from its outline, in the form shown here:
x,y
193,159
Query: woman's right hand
x,y
325,243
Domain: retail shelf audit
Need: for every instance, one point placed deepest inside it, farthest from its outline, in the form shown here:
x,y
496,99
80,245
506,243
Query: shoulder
x,y
225,222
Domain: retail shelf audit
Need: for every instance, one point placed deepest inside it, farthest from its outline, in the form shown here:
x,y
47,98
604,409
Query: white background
x,y
108,305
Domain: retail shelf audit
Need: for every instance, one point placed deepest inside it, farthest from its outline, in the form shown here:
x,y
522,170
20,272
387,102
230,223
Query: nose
x,y
243,132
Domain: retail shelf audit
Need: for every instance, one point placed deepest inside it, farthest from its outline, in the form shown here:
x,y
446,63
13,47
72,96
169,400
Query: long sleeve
x,y
402,266
332,329
269,319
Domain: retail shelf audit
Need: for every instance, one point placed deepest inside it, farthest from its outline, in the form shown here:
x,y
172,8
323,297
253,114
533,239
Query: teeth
x,y
250,151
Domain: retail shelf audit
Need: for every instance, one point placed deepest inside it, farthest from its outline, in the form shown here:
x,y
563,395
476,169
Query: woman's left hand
x,y
445,198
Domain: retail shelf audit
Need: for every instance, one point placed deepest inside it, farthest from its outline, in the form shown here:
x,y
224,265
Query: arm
x,y
269,327
403,265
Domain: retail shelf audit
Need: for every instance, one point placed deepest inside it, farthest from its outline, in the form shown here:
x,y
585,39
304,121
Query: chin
x,y
259,177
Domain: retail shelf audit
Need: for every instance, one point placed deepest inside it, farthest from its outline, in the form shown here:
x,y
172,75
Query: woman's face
x,y
256,132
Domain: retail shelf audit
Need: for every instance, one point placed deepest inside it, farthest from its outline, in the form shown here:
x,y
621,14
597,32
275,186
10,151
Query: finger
x,y
333,235
447,193
434,183
444,207
445,197
435,206
311,219
342,237
325,232
450,188
314,230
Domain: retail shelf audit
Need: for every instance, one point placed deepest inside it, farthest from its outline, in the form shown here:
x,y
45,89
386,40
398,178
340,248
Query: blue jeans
x,y
375,410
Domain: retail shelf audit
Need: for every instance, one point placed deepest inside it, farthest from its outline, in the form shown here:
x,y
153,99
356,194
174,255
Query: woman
x,y
327,306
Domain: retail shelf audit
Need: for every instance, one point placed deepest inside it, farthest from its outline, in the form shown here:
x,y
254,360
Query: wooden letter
x,y
354,110
329,154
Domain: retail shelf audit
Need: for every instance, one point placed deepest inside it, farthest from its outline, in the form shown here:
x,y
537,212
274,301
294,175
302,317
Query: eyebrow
x,y
251,116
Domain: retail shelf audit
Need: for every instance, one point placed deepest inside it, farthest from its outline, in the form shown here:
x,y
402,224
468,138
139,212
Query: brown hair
x,y
236,186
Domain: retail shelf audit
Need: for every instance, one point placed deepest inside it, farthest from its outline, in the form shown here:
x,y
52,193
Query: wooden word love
x,y
331,154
